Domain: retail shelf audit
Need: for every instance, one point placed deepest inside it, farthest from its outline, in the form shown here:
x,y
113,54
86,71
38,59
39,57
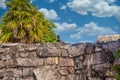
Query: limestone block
x,y
96,58
8,78
73,51
110,78
98,49
66,62
11,72
66,71
95,78
78,62
46,73
64,53
2,56
63,72
12,53
2,64
63,78
27,72
76,50
5,45
2,73
11,63
37,61
70,77
27,78
48,52
51,61
89,49
23,54
24,62
29,62
100,71
32,54
2,50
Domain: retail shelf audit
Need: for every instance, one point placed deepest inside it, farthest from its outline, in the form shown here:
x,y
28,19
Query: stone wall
x,y
107,38
60,61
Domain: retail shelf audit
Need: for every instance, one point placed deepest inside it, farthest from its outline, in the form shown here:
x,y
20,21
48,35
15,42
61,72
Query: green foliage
x,y
116,67
118,54
23,23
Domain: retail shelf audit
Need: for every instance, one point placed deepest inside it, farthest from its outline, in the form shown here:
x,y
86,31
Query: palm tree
x,y
23,23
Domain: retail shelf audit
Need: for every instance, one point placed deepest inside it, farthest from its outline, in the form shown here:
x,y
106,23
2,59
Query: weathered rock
x,y
94,78
32,54
88,60
96,58
70,77
46,73
37,62
11,63
3,56
98,49
29,62
111,45
78,62
23,54
2,50
66,71
24,62
66,62
2,73
8,78
64,53
28,72
63,78
81,77
51,61
5,45
84,61
107,38
90,49
110,79
73,51
48,52
100,70
14,73
76,50
2,64
27,78
12,53
63,71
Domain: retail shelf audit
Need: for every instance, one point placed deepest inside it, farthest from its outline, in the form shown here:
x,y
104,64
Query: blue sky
x,y
79,20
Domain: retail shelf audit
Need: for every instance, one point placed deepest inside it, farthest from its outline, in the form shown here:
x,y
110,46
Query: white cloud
x,y
111,1
98,8
63,7
50,14
2,4
65,26
92,29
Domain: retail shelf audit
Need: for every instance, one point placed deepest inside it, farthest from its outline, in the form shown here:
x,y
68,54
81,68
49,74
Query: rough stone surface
x,y
27,72
66,62
46,73
51,61
60,61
